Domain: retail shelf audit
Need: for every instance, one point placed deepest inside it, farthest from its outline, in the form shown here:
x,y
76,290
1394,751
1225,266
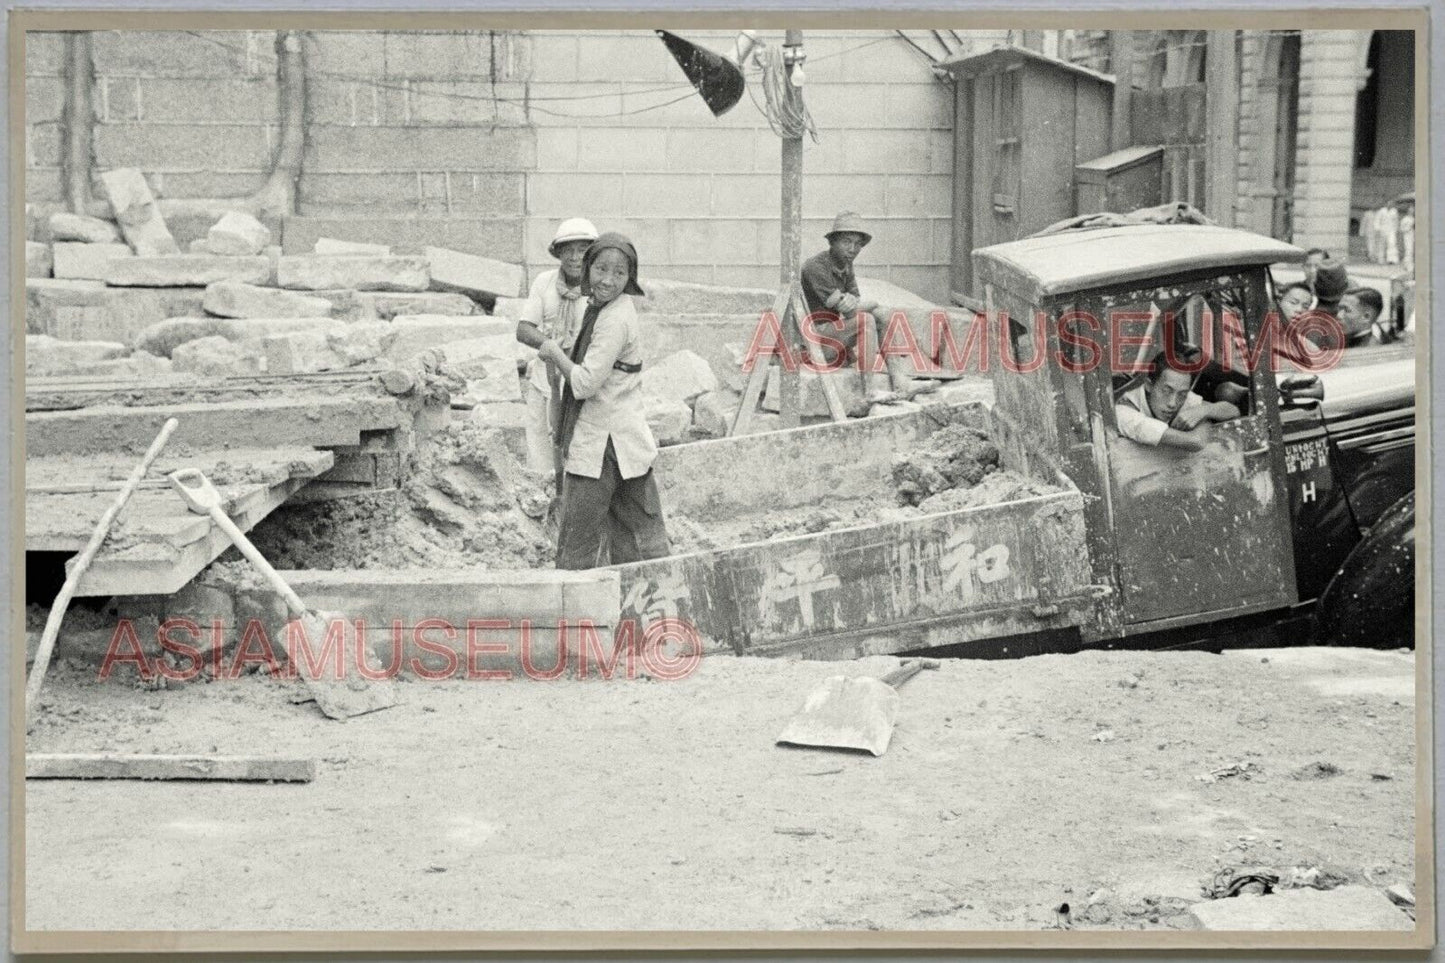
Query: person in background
x,y
1294,301
611,508
1360,311
553,309
1330,284
830,291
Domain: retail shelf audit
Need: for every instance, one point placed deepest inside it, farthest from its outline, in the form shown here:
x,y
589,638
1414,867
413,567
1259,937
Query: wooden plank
x,y
317,421
156,568
758,377
111,765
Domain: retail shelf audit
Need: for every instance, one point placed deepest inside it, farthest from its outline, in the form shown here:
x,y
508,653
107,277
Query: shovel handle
x,y
908,670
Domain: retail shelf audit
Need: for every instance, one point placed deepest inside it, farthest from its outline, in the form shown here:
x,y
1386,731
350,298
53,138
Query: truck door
x,y
1198,535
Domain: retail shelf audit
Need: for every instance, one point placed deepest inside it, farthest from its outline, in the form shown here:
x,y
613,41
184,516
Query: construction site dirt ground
x,y
1120,783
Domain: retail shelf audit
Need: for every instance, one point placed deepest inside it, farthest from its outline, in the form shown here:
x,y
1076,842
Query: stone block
x,y
186,270
713,412
235,299
326,349
81,261
330,245
386,305
38,263
1344,908
44,295
316,272
47,355
137,364
498,237
135,210
215,356
346,304
237,234
680,376
360,343
509,308
472,274
668,419
418,332
65,226
489,365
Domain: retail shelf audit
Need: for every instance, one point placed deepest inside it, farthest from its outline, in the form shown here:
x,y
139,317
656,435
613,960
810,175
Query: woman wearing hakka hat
x,y
553,309
831,291
611,508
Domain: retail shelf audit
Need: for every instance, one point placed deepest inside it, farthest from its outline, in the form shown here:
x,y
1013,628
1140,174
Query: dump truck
x,y
1295,521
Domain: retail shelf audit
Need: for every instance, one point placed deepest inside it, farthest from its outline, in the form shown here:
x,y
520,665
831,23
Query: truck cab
x,y
1263,517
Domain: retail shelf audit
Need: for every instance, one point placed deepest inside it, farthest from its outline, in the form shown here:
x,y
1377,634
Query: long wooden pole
x,y
790,255
77,572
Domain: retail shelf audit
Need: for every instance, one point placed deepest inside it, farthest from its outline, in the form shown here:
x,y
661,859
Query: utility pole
x,y
791,255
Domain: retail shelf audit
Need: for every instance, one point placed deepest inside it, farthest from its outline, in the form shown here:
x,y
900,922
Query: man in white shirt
x,y
1164,410
553,309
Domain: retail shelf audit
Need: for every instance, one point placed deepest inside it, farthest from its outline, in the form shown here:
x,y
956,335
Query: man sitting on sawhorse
x,y
830,291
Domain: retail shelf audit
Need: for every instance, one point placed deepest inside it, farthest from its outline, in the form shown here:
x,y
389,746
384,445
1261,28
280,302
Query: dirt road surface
x,y
1120,783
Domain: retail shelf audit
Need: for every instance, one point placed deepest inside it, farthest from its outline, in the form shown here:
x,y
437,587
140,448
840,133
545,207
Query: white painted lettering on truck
x,y
800,577
962,563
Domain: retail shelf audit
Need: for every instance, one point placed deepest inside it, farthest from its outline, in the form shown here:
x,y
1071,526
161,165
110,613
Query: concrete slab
x,y
233,299
38,262
1345,908
186,270
80,261
135,209
317,272
65,226
473,274
418,332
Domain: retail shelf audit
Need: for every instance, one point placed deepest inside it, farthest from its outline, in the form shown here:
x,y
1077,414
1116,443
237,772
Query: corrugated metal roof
x,y
1090,258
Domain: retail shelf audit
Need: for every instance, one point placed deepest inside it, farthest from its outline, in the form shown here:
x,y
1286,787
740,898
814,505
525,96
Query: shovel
x,y
852,713
338,697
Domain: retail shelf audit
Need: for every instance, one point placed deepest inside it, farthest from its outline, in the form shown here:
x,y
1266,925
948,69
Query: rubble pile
x,y
120,299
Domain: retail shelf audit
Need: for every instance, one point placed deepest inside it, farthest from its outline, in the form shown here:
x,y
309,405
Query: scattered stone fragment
x,y
358,343
236,299
489,366
473,275
65,226
136,211
668,419
86,262
386,305
418,332
316,272
330,245
1345,908
325,348
216,357
238,234
713,412
184,270
681,376
38,262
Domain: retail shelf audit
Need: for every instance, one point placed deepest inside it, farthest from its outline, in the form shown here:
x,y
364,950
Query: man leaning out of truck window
x,y
1164,410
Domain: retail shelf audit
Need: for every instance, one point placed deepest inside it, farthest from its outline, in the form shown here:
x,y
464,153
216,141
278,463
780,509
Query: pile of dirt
x,y
467,502
956,455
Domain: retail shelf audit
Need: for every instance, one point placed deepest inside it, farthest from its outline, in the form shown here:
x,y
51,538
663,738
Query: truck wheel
x,y
1370,602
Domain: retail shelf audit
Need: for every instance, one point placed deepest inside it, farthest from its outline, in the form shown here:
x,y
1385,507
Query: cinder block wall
x,y
484,140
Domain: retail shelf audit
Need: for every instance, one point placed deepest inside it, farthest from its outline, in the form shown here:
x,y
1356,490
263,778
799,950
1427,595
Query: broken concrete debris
x,y
135,210
186,270
237,234
669,419
236,299
1344,908
215,356
317,272
681,376
65,226
470,274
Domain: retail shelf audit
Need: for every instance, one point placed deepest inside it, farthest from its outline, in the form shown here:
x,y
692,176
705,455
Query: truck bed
x,y
901,582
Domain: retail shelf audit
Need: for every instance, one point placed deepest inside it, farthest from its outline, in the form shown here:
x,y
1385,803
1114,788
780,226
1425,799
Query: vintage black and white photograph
x,y
806,478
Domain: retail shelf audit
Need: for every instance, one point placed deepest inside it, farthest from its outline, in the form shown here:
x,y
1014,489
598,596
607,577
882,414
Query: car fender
x,y
1371,599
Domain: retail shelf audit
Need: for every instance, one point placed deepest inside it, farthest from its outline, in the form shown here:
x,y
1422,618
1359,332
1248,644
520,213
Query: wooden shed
x,y
1023,122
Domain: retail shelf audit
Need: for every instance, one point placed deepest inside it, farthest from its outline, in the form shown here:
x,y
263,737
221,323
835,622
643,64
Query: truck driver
x,y
1163,409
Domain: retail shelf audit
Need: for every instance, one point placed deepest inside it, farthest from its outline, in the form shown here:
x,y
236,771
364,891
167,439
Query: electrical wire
x,y
787,115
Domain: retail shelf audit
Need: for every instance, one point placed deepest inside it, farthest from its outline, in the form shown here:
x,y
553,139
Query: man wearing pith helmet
x,y
830,290
553,309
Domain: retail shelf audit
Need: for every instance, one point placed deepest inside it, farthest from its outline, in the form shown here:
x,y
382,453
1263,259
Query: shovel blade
x,y
845,713
343,694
